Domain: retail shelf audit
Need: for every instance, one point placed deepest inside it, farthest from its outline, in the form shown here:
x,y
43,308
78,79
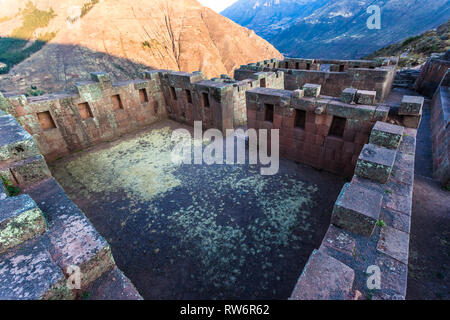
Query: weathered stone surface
x,y
386,135
394,278
411,105
412,121
357,209
339,240
375,163
396,220
348,95
73,239
324,278
31,170
366,97
312,90
20,220
113,285
15,142
394,243
298,94
28,273
340,109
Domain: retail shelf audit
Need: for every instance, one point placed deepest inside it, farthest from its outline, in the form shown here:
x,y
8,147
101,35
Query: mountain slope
x,y
123,37
415,50
270,17
338,29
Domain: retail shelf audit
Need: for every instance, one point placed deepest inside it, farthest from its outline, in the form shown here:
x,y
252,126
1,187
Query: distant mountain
x,y
120,37
336,28
269,17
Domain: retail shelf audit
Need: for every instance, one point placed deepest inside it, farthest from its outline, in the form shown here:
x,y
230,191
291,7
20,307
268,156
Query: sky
x,y
217,5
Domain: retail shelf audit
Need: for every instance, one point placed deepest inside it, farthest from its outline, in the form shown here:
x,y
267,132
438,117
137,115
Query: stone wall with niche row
x,y
323,132
99,110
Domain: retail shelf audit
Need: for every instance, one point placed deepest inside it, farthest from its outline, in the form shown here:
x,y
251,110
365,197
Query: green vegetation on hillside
x,y
415,50
15,49
4,19
87,7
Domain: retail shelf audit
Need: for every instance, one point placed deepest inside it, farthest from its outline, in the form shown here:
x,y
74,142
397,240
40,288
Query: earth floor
x,y
200,231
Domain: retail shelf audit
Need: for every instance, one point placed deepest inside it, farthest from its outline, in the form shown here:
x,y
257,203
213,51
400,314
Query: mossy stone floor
x,y
199,231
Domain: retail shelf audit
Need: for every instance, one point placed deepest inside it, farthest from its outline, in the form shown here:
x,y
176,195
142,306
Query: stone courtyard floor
x,y
199,231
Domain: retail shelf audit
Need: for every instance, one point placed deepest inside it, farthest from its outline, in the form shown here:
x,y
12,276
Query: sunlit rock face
x,y
123,38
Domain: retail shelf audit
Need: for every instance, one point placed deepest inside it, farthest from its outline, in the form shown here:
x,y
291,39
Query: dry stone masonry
x,y
440,132
333,75
42,233
330,114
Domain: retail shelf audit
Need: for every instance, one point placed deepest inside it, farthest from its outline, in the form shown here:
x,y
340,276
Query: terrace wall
x,y
440,132
431,75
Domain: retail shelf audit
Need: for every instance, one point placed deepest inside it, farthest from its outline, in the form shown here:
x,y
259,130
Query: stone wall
x,y
365,75
321,131
370,226
99,110
431,75
440,132
44,237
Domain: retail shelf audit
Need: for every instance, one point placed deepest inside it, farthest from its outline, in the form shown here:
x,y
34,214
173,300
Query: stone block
x,y
28,273
73,239
30,171
312,90
324,278
397,220
348,95
394,277
366,97
298,94
20,220
381,113
15,143
375,163
113,285
411,105
386,135
394,243
412,121
364,113
338,240
340,109
357,209
101,77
